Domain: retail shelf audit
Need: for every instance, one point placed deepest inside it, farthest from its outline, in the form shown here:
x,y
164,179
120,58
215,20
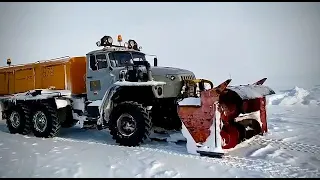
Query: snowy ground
x,y
290,149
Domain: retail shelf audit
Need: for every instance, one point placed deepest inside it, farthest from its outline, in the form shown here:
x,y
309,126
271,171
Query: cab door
x,y
99,77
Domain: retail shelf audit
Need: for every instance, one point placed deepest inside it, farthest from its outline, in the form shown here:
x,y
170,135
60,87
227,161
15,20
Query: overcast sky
x,y
246,41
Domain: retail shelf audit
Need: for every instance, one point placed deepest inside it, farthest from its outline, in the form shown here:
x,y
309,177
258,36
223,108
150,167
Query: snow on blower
x,y
116,88
221,117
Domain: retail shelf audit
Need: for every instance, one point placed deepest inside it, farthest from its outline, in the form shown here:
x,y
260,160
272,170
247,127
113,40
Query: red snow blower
x,y
234,113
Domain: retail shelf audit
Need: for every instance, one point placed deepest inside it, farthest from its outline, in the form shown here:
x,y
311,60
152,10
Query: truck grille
x,y
188,77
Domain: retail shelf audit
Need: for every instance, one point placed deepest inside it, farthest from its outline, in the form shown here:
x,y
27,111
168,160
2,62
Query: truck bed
x,y
66,73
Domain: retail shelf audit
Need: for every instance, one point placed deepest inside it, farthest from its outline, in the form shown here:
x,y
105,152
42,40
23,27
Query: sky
x,y
244,41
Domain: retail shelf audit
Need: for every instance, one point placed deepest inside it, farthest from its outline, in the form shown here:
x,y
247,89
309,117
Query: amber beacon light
x,y
119,38
8,61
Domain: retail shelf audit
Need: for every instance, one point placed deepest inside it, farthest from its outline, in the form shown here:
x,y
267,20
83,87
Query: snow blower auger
x,y
218,118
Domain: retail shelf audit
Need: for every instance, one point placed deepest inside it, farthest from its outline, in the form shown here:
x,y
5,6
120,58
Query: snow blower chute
x,y
218,118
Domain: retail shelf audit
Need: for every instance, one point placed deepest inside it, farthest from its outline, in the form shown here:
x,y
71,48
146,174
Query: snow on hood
x,y
168,70
296,96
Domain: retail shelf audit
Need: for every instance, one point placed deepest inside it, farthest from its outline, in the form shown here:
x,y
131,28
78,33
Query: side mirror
x,y
155,61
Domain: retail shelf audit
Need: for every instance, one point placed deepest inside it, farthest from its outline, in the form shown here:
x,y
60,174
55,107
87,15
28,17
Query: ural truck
x,y
116,88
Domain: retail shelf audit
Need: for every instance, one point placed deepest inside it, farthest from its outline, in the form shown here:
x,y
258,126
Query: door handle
x,y
89,77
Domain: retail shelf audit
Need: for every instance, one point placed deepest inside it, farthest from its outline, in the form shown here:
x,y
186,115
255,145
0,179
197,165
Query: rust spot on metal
x,y
198,120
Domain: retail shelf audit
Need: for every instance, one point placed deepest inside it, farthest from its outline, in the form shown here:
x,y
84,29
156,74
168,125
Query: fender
x,y
105,105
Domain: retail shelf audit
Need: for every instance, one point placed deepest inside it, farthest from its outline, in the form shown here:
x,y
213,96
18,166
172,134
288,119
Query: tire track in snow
x,y
274,169
278,143
297,123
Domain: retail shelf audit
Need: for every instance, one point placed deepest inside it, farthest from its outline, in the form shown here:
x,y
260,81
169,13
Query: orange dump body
x,y
61,74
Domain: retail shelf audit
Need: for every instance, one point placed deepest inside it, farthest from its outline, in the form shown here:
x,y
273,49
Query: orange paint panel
x,y
63,74
53,76
11,83
4,83
24,80
77,75
38,76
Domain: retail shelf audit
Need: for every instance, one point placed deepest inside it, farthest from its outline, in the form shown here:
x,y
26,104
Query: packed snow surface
x,y
291,148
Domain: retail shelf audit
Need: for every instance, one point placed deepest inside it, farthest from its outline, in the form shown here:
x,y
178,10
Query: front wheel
x,y
129,124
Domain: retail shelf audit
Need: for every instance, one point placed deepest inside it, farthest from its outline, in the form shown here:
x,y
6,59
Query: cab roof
x,y
113,49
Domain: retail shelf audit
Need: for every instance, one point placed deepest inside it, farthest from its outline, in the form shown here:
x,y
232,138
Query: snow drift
x,y
296,96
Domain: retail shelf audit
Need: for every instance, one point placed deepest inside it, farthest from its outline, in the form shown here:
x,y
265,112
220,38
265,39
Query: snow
x,y
45,93
78,103
191,144
190,101
296,96
253,115
251,91
61,103
148,83
213,143
95,103
291,148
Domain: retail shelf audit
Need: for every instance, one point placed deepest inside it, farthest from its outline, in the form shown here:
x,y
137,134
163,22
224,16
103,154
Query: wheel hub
x,y
40,121
126,125
15,119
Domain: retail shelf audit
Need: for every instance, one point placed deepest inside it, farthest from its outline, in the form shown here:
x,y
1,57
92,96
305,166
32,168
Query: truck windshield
x,y
119,59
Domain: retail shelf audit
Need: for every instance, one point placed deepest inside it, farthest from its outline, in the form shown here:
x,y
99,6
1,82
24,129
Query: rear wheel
x,y
45,121
129,123
230,136
18,119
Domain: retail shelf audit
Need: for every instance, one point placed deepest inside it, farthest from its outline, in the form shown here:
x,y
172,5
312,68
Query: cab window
x,y
101,61
120,59
93,63
98,61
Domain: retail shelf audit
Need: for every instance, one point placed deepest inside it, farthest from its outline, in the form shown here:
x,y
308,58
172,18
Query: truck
x,y
116,88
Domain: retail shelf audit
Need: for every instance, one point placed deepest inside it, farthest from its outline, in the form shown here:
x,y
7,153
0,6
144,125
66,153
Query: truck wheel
x,y
129,124
45,121
18,119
